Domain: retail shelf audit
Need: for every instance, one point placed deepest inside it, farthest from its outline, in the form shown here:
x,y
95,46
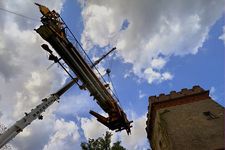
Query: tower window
x,y
210,115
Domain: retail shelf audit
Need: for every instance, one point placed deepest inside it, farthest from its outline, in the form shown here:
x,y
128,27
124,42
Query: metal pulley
x,y
108,71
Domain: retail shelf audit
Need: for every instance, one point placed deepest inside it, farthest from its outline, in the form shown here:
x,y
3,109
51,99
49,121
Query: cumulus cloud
x,y
92,128
154,30
75,104
65,136
137,140
141,94
222,37
36,135
24,78
158,63
152,34
152,75
96,15
50,133
212,93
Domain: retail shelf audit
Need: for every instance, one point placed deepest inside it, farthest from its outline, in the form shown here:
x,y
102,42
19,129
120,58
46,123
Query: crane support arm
x,y
34,114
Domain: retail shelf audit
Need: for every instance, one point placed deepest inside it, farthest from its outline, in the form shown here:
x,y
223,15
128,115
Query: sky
x,y
162,46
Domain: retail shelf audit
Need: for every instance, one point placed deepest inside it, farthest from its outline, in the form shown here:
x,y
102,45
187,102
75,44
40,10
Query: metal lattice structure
x,y
53,30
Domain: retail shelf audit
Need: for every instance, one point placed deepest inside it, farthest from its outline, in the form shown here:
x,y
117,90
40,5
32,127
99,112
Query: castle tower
x,y
185,120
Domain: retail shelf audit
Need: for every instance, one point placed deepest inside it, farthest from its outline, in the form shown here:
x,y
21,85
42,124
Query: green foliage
x,y
117,146
101,143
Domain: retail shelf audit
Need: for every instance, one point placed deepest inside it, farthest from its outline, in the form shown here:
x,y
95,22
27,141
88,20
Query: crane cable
x,y
26,17
85,53
114,89
114,92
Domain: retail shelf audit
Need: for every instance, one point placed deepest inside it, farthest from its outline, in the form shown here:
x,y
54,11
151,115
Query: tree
x,y
117,146
101,143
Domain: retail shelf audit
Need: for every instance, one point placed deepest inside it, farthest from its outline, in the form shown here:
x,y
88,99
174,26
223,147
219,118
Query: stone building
x,y
185,120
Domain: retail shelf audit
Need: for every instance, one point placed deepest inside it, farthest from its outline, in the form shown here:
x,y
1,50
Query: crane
x,y
55,31
34,114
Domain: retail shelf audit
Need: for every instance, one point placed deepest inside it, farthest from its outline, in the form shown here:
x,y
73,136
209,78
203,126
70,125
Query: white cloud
x,y
152,75
36,135
156,29
141,94
158,63
222,37
65,136
136,141
92,128
167,76
212,93
24,78
95,15
48,133
75,104
23,75
138,138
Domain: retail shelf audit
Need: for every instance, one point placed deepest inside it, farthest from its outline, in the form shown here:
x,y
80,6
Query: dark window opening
x,y
210,115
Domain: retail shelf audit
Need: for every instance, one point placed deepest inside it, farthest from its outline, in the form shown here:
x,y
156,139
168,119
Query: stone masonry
x,y
185,120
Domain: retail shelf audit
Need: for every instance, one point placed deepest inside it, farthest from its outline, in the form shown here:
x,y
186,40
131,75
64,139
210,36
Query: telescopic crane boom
x,y
53,31
34,114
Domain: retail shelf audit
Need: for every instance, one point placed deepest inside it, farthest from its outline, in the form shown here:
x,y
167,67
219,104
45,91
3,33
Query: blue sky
x,y
206,68
161,47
